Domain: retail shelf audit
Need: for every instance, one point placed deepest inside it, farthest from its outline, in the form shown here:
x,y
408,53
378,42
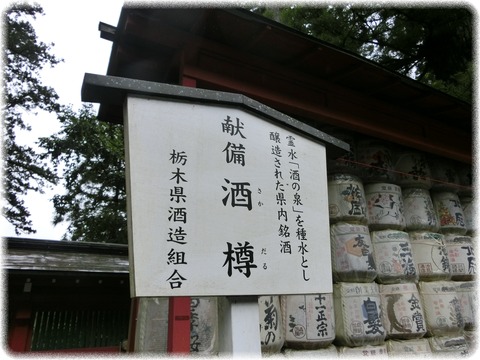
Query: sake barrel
x,y
352,253
357,314
461,256
412,347
272,335
449,212
346,199
412,170
465,178
441,306
469,213
204,326
403,316
418,210
449,346
361,351
444,174
471,337
467,295
309,320
330,352
375,159
151,325
430,255
393,257
384,206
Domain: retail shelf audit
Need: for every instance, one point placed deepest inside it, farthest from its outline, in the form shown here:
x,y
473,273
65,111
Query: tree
x,y
91,154
22,168
431,44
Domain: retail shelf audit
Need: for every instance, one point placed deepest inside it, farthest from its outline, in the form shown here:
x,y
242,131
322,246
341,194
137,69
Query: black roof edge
x,y
66,246
113,90
249,15
107,31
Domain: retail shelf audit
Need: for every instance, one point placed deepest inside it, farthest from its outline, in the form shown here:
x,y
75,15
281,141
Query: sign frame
x,y
114,91
162,264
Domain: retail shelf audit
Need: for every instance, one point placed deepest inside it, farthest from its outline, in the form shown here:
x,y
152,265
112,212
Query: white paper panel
x,y
222,202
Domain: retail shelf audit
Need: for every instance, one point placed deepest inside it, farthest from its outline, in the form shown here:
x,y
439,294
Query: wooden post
x,y
240,328
20,334
179,325
132,328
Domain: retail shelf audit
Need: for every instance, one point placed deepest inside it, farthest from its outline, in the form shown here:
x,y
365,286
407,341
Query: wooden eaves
x,y
237,51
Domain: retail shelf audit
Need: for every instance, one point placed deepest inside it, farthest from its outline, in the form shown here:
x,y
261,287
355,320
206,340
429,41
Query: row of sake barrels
x,y
462,345
376,161
354,315
393,256
388,206
359,314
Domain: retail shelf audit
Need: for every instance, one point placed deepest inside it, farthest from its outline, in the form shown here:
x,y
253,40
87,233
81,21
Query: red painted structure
x,y
66,296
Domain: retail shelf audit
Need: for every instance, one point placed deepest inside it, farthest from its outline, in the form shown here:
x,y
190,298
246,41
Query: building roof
x,y
65,256
313,81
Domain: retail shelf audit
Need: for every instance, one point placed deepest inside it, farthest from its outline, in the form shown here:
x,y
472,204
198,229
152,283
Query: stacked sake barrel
x,y
442,250
356,296
397,268
372,262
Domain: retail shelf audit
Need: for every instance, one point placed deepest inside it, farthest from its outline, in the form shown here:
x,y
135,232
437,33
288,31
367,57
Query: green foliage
x,y
22,168
90,155
87,153
430,44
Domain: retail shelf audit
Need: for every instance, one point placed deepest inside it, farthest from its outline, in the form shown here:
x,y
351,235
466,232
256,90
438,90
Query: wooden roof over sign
x,y
237,51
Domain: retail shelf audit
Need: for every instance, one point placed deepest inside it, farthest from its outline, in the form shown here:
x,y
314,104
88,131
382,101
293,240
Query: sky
x,y
73,28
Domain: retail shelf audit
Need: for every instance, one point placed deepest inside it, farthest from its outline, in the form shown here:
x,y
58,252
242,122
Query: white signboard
x,y
223,202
